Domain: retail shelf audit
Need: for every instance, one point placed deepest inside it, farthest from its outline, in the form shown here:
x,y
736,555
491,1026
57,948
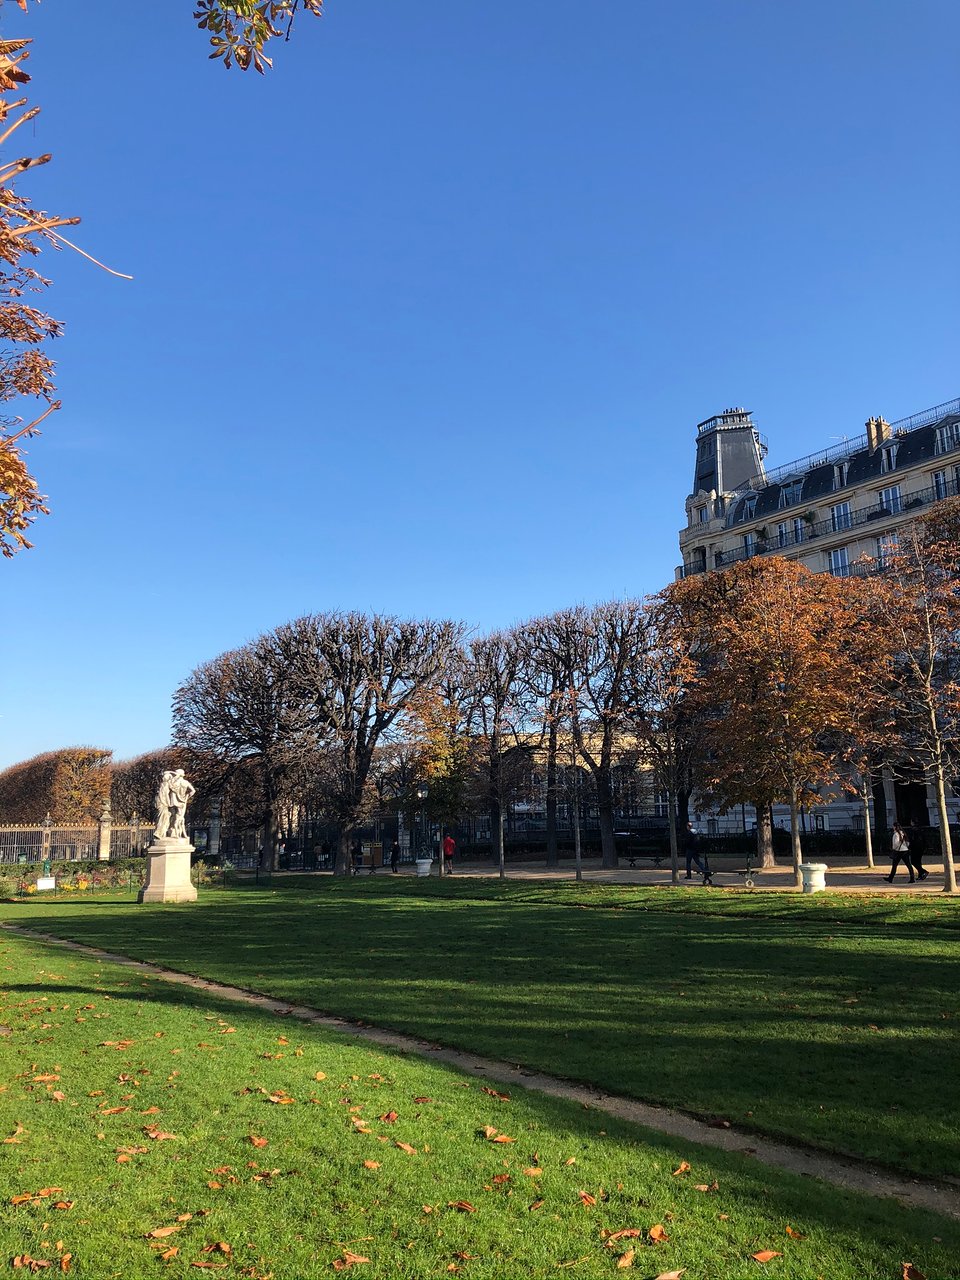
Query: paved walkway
x,y
842,878
851,1174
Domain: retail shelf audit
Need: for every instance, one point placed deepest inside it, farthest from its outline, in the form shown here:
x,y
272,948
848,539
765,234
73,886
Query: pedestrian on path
x,y
900,853
915,841
395,856
449,848
691,847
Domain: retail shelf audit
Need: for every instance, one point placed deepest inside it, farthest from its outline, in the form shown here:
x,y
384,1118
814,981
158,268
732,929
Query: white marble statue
x,y
173,796
164,805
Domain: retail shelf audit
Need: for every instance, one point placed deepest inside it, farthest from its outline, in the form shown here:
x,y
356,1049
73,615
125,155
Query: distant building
x,y
830,509
838,511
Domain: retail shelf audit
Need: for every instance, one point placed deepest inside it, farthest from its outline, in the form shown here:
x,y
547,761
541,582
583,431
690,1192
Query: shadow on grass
x,y
800,1028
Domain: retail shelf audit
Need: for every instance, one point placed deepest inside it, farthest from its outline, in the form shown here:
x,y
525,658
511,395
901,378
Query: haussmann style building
x,y
839,510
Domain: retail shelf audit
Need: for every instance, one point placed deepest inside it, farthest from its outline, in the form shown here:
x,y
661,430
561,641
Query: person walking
x,y
900,852
449,848
916,844
395,856
691,843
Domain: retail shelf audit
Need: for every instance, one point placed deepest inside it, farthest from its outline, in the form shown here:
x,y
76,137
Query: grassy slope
x,y
86,1038
829,1020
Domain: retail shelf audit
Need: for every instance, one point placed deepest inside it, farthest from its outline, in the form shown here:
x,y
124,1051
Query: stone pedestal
x,y
168,872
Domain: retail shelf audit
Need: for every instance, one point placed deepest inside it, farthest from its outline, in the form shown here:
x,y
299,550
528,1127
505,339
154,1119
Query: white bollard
x,y
814,876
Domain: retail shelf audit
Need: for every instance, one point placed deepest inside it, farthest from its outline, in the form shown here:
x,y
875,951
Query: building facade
x,y
841,511
838,511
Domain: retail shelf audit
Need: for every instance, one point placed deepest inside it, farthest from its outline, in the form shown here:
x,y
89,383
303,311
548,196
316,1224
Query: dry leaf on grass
x,y
15,1136
587,1199
534,1171
371,1164
658,1234
169,1253
537,1204
671,1275
629,1233
159,1233
389,1117
462,1206
258,1142
910,1272
626,1259
766,1255
405,1146
709,1186
349,1260
502,1097
682,1167
795,1235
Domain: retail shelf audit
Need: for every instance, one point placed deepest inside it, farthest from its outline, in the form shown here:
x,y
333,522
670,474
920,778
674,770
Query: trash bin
x,y
814,876
423,866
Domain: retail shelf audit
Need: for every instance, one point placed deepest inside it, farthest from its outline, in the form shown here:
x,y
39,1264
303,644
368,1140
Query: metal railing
x,y
847,448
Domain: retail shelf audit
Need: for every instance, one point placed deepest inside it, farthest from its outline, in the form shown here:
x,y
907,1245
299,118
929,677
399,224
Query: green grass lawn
x,y
831,1020
152,1130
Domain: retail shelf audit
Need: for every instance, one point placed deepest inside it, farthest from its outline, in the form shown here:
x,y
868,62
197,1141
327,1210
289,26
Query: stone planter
x,y
423,866
814,876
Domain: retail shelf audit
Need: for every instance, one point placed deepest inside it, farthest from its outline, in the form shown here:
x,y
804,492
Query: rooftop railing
x,y
847,448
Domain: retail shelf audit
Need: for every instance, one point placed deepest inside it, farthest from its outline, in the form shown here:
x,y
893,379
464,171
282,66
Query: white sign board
x,y
46,882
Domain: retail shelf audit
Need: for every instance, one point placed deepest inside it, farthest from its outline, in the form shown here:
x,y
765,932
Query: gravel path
x,y
854,1175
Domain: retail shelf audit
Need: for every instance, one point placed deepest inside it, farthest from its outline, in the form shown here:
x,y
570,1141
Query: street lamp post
x,y
423,792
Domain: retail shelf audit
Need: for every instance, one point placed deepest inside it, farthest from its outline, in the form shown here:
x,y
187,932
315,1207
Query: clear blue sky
x,y
423,322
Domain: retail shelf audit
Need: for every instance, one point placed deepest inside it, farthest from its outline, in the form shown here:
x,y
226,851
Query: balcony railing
x,y
909,503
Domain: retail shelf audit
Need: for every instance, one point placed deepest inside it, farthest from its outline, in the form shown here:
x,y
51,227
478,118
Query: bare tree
x,y
354,677
244,706
497,716
597,649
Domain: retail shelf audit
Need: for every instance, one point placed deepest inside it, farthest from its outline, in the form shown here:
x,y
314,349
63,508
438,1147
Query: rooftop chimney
x,y
878,431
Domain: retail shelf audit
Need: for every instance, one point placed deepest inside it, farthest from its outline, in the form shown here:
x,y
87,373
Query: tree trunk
x,y
674,842
867,833
880,823
946,843
342,864
795,837
553,854
608,845
501,858
764,837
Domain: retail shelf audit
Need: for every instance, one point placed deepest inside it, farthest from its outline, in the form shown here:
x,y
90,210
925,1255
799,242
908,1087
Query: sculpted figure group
x,y
172,799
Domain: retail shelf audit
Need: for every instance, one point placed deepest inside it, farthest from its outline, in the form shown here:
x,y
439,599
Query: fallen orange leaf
x,y
587,1198
169,1253
671,1275
626,1259
795,1235
766,1255
711,1186
537,1204
463,1206
389,1117
159,1233
65,1260
534,1171
657,1233
321,1075
910,1272
348,1260
405,1146
371,1164
258,1142
682,1167
627,1234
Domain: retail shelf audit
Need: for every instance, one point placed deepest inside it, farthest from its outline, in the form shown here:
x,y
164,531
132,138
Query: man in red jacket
x,y
449,846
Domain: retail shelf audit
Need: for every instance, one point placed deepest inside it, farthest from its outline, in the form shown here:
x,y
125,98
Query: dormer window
x,y
948,437
840,475
703,515
790,493
749,506
888,457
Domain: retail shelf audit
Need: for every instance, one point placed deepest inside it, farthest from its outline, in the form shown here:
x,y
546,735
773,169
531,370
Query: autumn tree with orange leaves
x,y
238,32
918,615
785,662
